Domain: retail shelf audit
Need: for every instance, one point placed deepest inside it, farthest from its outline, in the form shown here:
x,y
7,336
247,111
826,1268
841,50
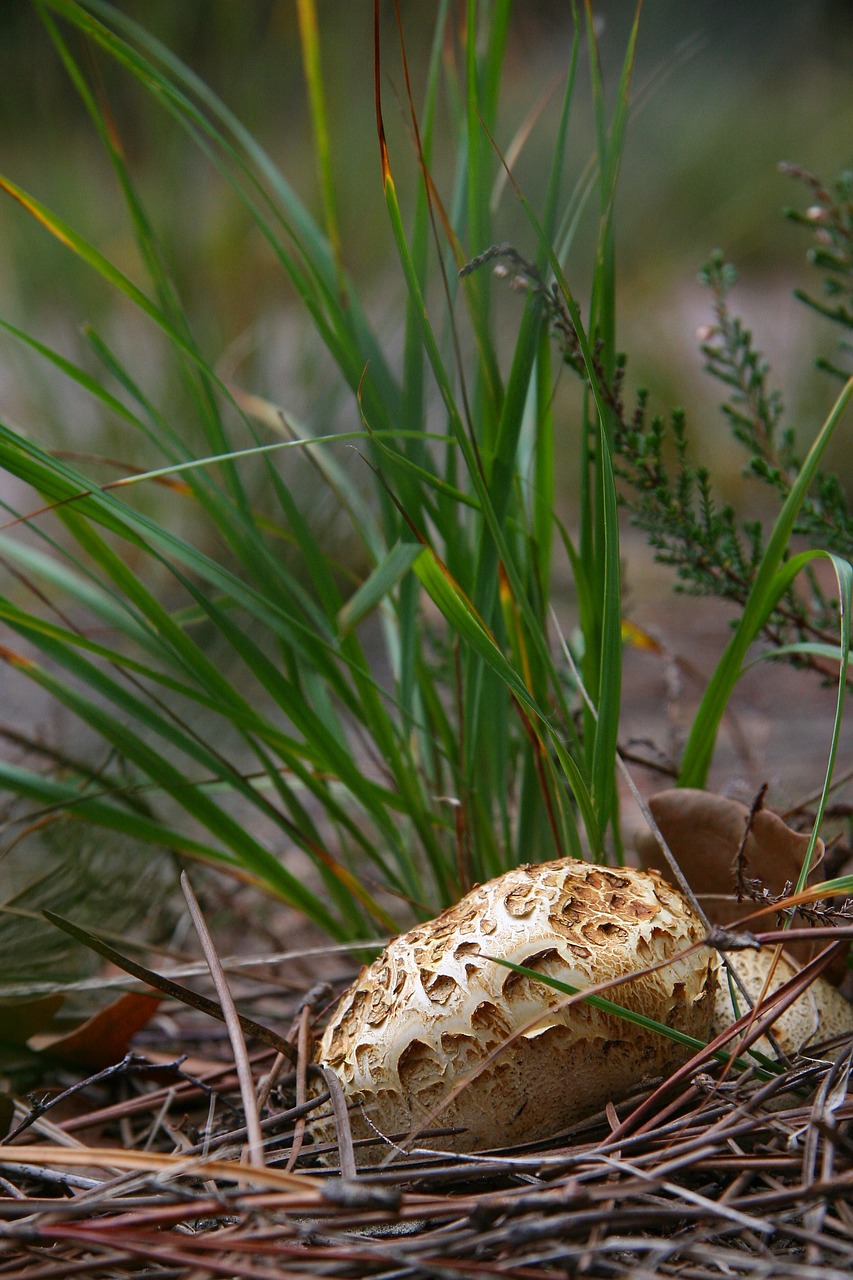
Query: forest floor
x,y
129,1154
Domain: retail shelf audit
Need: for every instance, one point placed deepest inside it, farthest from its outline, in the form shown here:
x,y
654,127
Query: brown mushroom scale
x,y
434,1007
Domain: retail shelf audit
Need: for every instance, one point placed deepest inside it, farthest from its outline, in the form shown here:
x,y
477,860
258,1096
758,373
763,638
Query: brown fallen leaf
x,y
21,1019
104,1038
705,832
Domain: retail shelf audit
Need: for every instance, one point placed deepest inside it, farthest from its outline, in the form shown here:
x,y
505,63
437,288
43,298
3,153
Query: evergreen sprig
x,y
672,500
830,221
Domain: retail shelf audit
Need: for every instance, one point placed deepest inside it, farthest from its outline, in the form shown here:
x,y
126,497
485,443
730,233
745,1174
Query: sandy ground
x,y
780,721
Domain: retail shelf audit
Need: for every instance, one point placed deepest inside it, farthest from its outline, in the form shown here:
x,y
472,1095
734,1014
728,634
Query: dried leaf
x,y
104,1038
20,1019
705,833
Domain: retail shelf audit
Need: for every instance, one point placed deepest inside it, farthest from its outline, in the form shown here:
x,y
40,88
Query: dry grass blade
x,y
159,1163
166,985
819,1146
255,1148
339,1105
303,1043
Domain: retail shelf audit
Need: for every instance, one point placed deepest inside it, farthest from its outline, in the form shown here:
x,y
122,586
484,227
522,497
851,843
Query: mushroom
x,y
820,1013
434,1007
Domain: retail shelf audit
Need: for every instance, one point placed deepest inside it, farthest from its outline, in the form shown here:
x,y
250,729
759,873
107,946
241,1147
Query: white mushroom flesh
x,y
433,1007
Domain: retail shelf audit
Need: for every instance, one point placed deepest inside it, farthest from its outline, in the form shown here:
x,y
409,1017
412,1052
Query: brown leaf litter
x,y
725,1169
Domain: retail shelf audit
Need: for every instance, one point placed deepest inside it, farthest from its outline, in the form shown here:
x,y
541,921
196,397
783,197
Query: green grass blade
x,y
770,583
459,611
310,37
603,595
627,1015
242,849
844,578
73,801
384,577
260,186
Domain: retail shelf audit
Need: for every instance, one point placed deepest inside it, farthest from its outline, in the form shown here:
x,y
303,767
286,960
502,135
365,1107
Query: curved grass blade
x,y
771,581
627,1015
168,985
844,577
383,578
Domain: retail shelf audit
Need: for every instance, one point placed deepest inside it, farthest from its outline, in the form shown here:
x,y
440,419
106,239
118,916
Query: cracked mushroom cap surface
x,y
821,1012
432,1008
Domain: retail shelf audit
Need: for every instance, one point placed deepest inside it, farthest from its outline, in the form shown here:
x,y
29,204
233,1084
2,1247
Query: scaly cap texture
x,y
433,1006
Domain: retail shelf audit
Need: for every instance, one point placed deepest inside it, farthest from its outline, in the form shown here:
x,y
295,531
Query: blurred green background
x,y
724,91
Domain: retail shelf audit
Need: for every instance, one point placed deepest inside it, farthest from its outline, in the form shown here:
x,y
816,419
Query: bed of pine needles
x,y
145,1169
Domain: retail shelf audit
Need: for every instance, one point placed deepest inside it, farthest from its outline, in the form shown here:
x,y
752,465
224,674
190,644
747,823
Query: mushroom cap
x,y
433,1006
821,1012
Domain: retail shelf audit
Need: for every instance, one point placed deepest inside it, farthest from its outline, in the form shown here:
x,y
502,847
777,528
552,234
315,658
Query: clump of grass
x,y
468,759
473,750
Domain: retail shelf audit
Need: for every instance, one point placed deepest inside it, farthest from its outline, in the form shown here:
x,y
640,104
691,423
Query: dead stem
x,y
255,1145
